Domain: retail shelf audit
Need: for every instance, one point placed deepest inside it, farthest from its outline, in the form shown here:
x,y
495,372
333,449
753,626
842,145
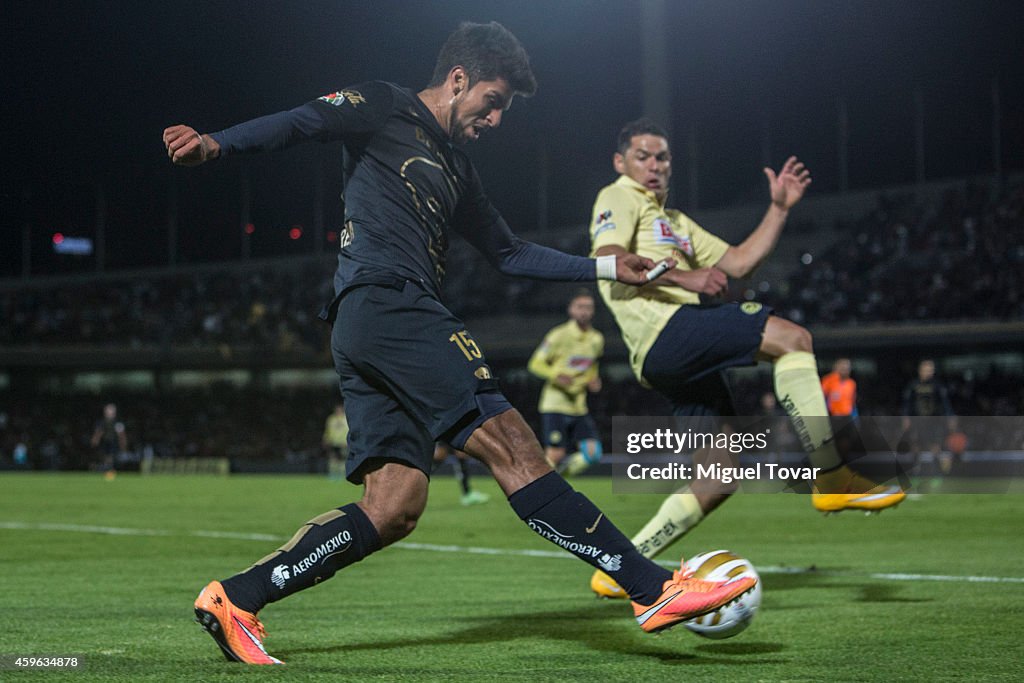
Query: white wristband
x,y
606,267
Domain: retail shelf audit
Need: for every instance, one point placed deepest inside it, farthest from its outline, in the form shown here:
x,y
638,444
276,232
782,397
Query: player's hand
x,y
564,380
594,385
787,188
710,281
632,268
186,147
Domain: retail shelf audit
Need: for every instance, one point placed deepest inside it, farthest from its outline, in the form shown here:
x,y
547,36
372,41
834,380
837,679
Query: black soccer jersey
x,y
406,186
926,399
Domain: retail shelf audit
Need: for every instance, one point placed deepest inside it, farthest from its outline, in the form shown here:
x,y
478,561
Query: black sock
x,y
321,547
568,519
463,474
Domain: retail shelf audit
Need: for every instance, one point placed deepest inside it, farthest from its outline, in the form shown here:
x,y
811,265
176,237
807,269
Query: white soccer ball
x,y
722,565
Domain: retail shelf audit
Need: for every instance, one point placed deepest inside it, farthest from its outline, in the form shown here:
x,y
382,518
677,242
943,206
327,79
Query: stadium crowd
x,y
250,426
901,262
272,306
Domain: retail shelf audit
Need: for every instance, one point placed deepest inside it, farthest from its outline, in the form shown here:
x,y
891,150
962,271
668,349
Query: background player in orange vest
x,y
840,389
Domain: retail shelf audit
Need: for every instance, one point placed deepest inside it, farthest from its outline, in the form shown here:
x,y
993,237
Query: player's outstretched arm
x,y
514,256
331,117
787,187
187,147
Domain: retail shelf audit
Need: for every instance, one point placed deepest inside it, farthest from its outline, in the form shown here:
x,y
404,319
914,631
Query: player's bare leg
x,y
394,497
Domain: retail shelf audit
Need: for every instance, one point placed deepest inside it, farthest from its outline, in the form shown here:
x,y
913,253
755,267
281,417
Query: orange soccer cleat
x,y
685,597
238,633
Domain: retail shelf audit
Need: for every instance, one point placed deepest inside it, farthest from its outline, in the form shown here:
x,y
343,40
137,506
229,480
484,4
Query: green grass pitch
x,y
109,570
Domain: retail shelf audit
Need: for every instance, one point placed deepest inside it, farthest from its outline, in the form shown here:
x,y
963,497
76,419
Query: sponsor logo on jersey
x,y
335,545
603,222
353,97
685,245
280,575
346,235
579,362
564,540
662,537
663,234
610,563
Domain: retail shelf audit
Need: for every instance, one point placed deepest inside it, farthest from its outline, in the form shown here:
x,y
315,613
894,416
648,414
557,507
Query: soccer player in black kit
x,y
410,372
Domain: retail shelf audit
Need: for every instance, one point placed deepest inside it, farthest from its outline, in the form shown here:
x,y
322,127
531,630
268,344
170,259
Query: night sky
x,y
89,86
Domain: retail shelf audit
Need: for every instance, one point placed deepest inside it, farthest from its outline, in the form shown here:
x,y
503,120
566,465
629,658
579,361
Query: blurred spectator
x,y
926,397
109,440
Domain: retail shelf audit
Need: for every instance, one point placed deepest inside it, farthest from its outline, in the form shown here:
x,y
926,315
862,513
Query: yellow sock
x,y
575,464
799,391
678,514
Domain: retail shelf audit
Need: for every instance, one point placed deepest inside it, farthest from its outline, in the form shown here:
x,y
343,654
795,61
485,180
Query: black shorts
x,y
688,360
566,431
411,375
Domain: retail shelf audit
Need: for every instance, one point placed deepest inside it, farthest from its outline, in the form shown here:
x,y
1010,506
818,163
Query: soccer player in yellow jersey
x,y
335,441
567,362
681,348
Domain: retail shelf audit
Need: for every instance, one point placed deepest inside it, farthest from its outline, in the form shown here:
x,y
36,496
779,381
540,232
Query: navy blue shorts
x,y
411,375
566,431
688,360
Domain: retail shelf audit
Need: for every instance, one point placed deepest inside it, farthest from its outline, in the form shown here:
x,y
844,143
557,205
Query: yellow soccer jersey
x,y
567,350
336,431
628,215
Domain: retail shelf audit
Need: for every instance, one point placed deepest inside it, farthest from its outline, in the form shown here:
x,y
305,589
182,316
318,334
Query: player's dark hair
x,y
642,126
487,52
581,292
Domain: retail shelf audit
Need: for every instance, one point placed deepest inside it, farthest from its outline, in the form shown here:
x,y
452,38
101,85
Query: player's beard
x,y
458,132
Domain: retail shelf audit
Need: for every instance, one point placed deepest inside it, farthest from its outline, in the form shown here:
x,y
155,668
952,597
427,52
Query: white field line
x,y
476,550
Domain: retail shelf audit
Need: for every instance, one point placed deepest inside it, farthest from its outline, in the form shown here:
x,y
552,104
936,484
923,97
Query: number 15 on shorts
x,y
466,344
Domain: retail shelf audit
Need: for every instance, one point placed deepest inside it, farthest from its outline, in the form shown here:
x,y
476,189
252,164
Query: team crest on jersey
x,y
663,234
751,307
353,97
